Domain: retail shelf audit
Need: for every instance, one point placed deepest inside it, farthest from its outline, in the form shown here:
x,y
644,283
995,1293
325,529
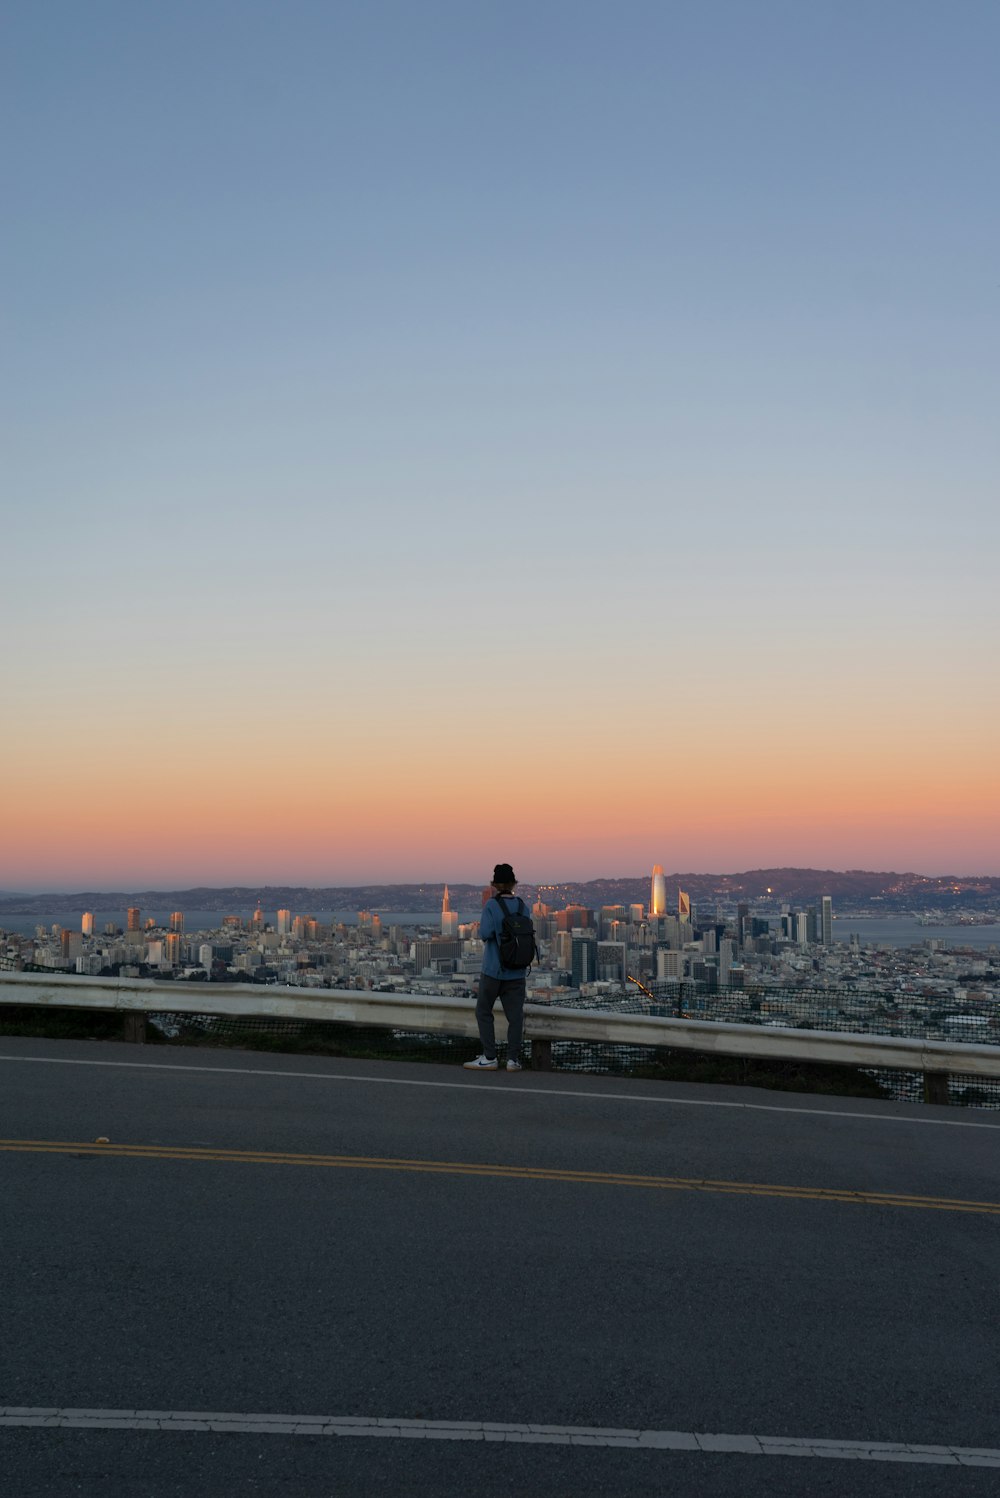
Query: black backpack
x,y
516,941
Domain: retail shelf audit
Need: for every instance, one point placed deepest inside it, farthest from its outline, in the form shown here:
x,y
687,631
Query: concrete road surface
x,y
293,1276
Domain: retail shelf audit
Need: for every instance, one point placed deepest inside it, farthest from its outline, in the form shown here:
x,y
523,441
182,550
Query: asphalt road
x,y
750,1279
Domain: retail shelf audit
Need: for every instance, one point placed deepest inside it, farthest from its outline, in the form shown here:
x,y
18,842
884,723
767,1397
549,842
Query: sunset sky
x,y
444,432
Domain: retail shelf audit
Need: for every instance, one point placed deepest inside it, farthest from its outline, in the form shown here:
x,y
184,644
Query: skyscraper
x,y
658,893
611,961
683,906
133,917
284,922
87,923
177,920
583,959
827,920
449,917
611,915
669,964
574,916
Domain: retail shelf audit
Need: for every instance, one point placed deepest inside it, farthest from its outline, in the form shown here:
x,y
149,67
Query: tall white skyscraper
x,y
87,923
658,892
284,922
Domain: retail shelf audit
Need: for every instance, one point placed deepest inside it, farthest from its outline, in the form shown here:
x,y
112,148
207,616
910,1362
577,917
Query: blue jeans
x,y
511,992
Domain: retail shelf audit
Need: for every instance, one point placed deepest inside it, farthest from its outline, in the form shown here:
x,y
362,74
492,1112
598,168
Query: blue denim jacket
x,y
489,930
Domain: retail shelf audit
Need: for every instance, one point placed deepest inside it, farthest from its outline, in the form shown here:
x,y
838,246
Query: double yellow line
x,y
502,1172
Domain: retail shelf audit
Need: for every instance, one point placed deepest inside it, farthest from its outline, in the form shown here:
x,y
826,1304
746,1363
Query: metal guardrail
x,y
135,998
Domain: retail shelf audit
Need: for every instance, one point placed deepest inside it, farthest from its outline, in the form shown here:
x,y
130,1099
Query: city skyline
x,y
406,406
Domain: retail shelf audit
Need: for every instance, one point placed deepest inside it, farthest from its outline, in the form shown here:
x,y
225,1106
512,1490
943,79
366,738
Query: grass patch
x,y
61,1024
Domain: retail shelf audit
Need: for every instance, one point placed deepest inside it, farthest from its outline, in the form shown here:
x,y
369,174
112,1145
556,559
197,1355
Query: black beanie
x,y
504,874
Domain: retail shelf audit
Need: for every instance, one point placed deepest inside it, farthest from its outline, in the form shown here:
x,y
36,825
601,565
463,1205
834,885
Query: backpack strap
x,y
495,936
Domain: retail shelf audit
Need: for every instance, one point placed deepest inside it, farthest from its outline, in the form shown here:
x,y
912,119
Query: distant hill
x,y
857,888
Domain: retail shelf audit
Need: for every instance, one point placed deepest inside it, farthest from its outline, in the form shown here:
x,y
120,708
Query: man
x,y
496,981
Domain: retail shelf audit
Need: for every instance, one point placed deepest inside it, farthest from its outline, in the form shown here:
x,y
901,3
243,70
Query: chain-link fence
x,y
855,1011
861,1012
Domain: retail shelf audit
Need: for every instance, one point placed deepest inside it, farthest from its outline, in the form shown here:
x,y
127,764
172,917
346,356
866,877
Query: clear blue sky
x,y
704,295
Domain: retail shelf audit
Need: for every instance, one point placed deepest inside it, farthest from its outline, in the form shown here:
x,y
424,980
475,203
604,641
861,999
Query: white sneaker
x,y
481,1063
513,1066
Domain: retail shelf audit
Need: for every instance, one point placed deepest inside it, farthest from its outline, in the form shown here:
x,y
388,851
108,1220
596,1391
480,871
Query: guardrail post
x,y
936,1087
135,1026
541,1055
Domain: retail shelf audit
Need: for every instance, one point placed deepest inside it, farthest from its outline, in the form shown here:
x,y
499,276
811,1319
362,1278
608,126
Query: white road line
x,y
489,1430
495,1088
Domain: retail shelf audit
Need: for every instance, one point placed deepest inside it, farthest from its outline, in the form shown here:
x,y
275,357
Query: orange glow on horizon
x,y
334,803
